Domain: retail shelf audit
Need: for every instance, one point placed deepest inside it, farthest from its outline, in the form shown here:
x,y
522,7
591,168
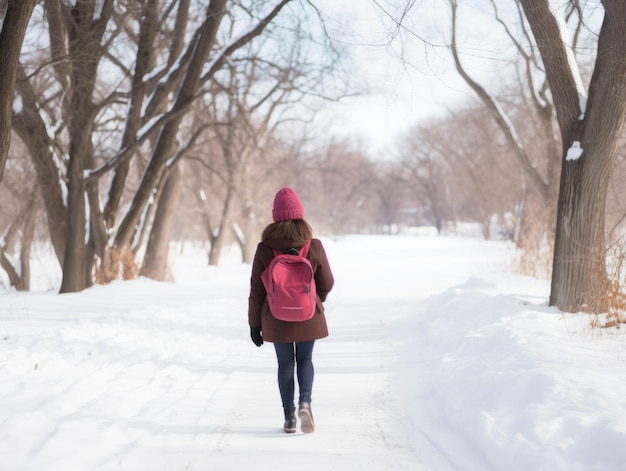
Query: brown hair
x,y
297,230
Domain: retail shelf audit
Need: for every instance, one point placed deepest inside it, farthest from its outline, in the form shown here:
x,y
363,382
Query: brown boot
x,y
306,418
290,423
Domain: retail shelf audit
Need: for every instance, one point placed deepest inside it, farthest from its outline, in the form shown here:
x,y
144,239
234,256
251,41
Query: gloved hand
x,y
255,335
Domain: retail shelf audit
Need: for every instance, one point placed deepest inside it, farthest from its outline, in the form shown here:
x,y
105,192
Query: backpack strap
x,y
303,252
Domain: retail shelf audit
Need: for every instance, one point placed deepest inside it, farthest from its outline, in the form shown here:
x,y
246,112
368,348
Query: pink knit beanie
x,y
287,205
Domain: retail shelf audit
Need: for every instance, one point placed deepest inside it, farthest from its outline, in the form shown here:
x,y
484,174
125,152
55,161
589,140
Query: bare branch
x,y
503,121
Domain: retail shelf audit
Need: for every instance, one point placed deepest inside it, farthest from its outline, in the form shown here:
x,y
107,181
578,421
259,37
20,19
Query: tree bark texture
x,y
155,262
84,45
11,38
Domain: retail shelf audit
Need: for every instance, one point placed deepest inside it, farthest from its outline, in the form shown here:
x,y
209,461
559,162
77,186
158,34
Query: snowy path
x,y
164,377
429,366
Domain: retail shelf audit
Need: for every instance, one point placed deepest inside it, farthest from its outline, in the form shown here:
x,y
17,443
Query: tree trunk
x,y
145,59
27,242
97,246
12,32
75,262
216,248
579,279
578,272
85,33
248,234
155,262
218,239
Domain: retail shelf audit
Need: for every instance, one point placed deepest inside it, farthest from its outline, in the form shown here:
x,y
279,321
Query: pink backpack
x,y
290,285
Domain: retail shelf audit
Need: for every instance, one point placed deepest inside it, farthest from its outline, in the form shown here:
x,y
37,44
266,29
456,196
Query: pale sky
x,y
413,78
408,81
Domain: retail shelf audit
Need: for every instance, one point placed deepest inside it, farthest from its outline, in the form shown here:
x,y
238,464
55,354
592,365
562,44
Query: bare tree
x,y
340,180
248,141
461,169
67,110
590,135
193,78
544,182
590,122
423,170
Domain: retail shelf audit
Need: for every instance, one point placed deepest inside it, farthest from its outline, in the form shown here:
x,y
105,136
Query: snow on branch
x,y
573,66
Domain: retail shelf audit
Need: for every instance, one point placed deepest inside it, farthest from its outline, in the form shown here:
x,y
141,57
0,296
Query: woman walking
x,y
293,341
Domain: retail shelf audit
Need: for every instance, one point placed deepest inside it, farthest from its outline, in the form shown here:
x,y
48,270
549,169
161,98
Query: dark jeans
x,y
289,355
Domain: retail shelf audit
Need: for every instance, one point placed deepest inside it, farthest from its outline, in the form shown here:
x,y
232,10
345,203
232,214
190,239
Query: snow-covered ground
x,y
438,359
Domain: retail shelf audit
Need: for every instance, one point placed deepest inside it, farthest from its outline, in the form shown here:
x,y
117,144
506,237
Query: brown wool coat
x,y
259,314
